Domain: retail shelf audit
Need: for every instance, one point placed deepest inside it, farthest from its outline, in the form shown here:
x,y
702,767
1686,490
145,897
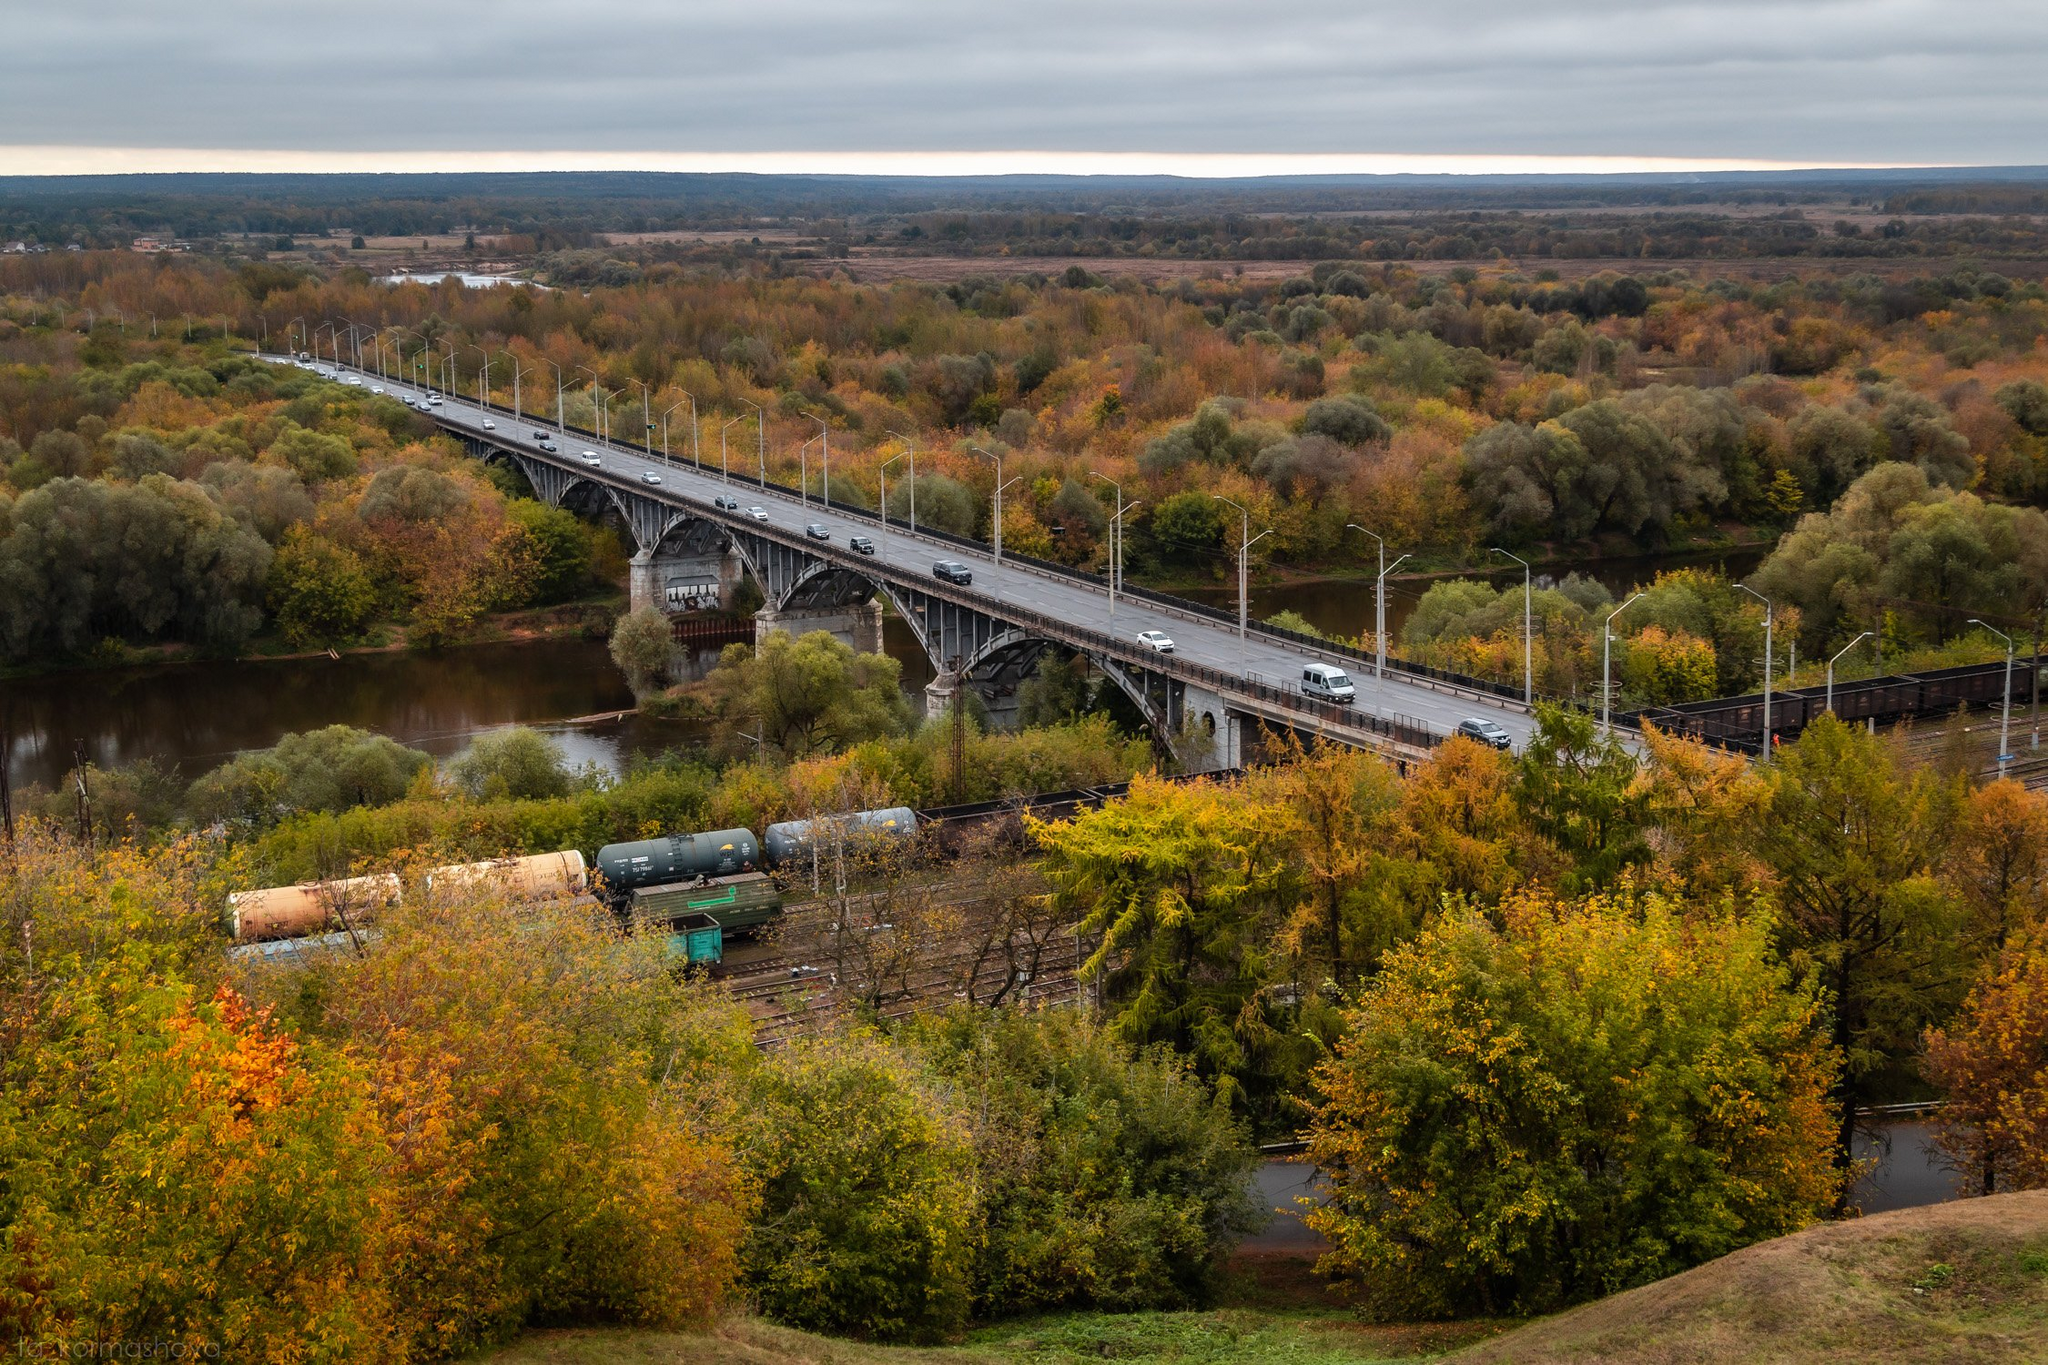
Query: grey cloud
x,y
1849,80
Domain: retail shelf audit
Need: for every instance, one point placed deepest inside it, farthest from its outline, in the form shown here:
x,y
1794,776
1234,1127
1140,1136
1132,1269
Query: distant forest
x,y
1923,213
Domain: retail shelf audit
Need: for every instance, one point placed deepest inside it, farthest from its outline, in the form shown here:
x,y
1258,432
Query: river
x,y
195,716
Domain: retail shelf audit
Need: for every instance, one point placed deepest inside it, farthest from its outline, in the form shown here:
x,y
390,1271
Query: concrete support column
x,y
680,583
859,625
1212,735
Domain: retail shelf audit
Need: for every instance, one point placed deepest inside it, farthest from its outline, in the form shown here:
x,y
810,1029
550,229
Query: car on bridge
x,y
953,571
726,502
1157,640
817,530
489,425
758,513
1326,682
549,446
1485,731
539,434
433,400
649,476
860,545
590,458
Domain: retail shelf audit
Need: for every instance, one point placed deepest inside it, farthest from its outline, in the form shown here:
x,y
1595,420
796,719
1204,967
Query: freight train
x,y
695,889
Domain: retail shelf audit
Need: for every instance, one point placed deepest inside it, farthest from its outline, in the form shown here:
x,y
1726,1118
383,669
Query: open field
x,y
875,268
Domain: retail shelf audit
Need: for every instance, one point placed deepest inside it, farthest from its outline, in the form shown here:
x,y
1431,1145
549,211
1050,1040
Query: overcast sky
x,y
832,84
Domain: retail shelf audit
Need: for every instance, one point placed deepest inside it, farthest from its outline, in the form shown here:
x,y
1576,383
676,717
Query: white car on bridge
x,y
1157,640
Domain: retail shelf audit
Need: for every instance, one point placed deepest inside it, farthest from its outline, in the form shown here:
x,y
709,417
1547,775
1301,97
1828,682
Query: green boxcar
x,y
736,904
695,939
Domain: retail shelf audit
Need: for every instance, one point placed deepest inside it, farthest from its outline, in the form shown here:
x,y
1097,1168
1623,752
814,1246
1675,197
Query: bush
x,y
1107,1180
517,763
867,1193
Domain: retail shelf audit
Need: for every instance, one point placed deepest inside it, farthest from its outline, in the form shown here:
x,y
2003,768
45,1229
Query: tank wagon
x,y
793,839
678,858
310,908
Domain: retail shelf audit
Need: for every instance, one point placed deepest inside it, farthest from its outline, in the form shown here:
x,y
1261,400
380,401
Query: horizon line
x,y
56,160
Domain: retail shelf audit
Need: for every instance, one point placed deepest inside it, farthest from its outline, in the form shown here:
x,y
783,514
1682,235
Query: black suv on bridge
x,y
953,571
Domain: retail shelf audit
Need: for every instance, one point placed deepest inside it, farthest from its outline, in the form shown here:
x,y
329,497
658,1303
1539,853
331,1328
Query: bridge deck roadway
x,y
1000,590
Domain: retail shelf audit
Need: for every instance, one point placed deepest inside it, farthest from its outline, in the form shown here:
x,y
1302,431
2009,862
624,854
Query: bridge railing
x,y
1442,680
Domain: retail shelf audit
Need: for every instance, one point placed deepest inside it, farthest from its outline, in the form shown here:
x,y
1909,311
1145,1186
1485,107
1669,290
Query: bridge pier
x,y
858,624
1211,735
684,581
999,703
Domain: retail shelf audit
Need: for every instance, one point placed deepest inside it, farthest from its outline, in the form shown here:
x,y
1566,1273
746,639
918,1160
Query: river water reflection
x,y
195,716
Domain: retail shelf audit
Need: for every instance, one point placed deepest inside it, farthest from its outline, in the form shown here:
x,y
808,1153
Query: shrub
x,y
1107,1179
867,1198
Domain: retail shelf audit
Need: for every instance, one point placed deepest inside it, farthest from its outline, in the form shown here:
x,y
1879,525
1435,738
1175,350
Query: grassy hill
x,y
1952,1283
1961,1284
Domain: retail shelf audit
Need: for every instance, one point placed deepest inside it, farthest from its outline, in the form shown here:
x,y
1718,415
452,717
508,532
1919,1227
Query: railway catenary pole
x,y
1829,707
2005,706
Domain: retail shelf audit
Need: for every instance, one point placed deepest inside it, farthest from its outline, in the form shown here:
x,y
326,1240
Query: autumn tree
x,y
808,694
1855,846
1172,889
1598,1095
1992,1068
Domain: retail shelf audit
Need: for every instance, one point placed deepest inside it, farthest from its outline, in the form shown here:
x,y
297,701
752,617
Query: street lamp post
x,y
647,418
1770,615
910,446
1244,559
1379,600
517,371
664,430
760,430
803,474
696,452
998,508
1117,552
299,322
883,474
418,365
1829,707
1116,532
2005,710
1607,666
825,445
483,377
561,421
1528,631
